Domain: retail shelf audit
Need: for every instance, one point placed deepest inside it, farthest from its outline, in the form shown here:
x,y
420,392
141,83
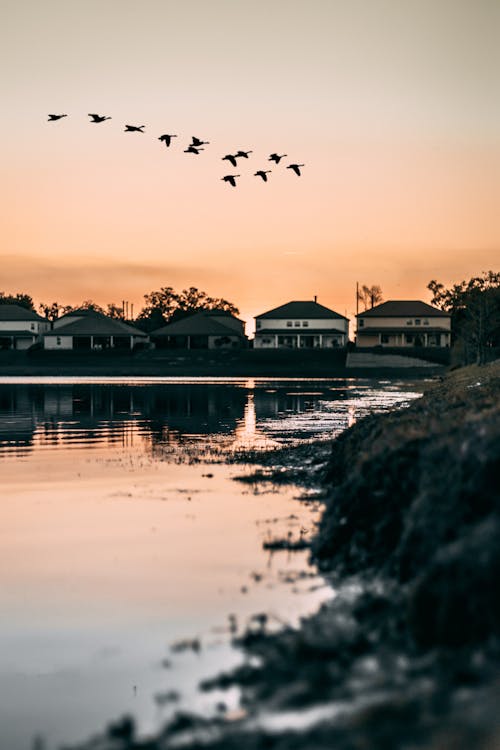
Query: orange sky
x,y
392,106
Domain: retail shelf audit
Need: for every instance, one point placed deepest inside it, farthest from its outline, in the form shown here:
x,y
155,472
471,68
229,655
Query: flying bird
x,y
276,157
197,142
193,149
53,118
231,158
262,173
167,139
134,128
98,118
244,154
295,168
231,178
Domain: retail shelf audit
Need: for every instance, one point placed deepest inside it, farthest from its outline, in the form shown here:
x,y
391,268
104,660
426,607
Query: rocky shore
x,y
406,654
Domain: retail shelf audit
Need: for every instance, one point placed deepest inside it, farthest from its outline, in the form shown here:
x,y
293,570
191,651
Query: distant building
x,y
19,327
403,323
86,330
301,325
207,329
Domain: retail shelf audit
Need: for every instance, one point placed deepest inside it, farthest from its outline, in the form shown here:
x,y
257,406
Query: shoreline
x,y
407,652
191,363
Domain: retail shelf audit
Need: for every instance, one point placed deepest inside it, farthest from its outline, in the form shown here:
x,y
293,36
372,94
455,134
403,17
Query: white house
x,y
403,323
301,325
19,327
207,329
90,330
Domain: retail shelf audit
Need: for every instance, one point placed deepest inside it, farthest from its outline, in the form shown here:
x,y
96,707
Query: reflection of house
x,y
301,325
208,329
88,329
403,323
20,328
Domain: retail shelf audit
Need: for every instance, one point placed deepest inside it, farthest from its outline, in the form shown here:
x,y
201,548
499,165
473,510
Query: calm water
x,y
123,534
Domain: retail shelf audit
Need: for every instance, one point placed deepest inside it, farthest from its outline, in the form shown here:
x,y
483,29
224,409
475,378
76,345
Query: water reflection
x,y
244,413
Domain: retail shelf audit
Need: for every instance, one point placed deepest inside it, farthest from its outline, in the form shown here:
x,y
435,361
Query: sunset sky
x,y
392,105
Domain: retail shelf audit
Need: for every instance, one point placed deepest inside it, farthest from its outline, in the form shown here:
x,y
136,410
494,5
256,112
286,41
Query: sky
x,y
391,105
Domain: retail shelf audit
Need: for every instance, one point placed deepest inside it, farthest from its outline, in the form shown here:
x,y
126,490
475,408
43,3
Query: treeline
x,y
474,306
161,307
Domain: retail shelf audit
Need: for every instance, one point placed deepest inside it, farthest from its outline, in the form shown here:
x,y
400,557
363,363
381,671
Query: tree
x,y
115,311
474,307
166,305
370,295
21,299
51,311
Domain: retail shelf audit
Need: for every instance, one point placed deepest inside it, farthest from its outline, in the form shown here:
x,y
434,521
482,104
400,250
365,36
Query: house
x,y
207,329
19,327
86,330
403,323
301,325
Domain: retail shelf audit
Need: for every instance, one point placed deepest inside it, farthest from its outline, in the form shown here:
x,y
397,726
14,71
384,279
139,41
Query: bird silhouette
x,y
134,128
295,168
53,118
230,178
167,139
193,149
197,142
98,118
231,158
262,173
276,157
244,154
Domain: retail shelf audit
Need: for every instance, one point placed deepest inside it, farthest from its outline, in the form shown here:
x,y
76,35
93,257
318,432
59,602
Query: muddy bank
x,y
406,654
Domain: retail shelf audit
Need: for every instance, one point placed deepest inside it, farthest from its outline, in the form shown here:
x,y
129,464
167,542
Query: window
x,y
259,324
297,324
417,321
361,323
409,338
426,322
289,323
384,338
32,326
58,341
409,322
305,324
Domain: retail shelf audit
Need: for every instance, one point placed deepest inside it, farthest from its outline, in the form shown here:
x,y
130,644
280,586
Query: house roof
x,y
301,331
403,308
199,324
23,334
94,324
304,309
16,312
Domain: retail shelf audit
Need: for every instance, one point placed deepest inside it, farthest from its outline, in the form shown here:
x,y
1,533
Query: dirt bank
x,y
406,654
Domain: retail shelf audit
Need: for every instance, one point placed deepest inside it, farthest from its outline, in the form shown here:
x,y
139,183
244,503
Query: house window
x,y
409,322
417,321
361,323
297,324
426,322
384,338
305,324
409,338
267,341
259,324
58,341
32,326
289,323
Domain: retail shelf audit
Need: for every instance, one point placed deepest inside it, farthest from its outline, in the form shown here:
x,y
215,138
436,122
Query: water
x,y
125,544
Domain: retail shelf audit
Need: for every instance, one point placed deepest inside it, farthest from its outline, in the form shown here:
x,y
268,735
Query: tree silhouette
x,y
370,295
21,299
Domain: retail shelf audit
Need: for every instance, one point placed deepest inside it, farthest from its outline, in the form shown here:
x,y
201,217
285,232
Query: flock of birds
x,y
196,147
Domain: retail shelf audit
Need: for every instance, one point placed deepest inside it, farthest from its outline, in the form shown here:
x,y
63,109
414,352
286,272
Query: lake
x,y
130,557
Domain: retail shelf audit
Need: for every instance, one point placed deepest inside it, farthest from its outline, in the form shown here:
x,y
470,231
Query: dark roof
x,y
95,324
16,312
307,309
199,324
24,334
403,308
302,331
